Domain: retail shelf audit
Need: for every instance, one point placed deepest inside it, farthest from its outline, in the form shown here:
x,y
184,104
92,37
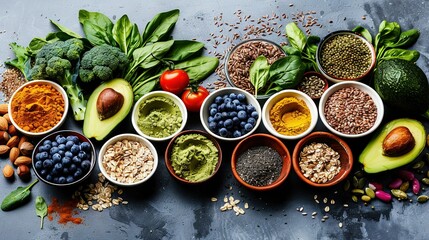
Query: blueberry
x,y
218,100
72,168
248,127
44,148
232,114
221,107
85,146
241,97
43,172
86,164
69,154
58,166
62,153
228,123
76,160
242,124
226,99
232,96
66,161
254,114
224,115
210,119
54,150
73,138
49,177
242,115
70,179
236,102
250,108
236,134
220,123
61,180
69,144
223,132
230,106
75,149
236,121
55,180
38,165
62,146
218,116
213,111
239,108
58,137
61,140
213,105
212,126
56,158
82,155
77,173
55,172
47,142
251,121
37,157
47,163
55,144
66,171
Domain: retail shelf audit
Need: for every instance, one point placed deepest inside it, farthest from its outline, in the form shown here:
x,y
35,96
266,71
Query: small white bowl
x,y
204,112
363,87
174,98
279,96
132,137
58,125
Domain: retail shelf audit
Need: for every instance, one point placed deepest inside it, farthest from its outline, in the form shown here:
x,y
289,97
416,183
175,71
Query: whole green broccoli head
x,y
102,63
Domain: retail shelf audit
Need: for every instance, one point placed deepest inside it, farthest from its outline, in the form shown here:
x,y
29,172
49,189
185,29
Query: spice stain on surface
x,y
290,116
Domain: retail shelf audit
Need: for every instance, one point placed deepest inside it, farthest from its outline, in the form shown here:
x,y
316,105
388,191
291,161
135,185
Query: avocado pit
x,y
109,102
399,141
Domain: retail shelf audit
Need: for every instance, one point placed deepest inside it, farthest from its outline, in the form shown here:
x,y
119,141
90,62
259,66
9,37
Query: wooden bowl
x,y
262,139
337,144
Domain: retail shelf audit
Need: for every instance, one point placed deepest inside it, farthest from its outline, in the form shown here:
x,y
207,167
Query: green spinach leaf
x,y
182,50
127,35
66,30
291,51
259,72
408,55
406,39
41,209
388,32
295,36
199,68
22,60
160,26
363,32
287,72
97,27
17,197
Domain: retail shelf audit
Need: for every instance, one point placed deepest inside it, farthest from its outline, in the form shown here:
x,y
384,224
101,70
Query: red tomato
x,y
174,81
193,99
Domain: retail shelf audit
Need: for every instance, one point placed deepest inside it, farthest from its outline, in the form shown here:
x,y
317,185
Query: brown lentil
x,y
312,85
350,111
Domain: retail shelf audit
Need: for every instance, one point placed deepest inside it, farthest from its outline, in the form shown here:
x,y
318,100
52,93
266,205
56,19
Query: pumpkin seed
x,y
361,183
399,193
404,186
354,198
425,181
366,198
422,198
419,165
370,192
358,191
355,181
346,186
359,174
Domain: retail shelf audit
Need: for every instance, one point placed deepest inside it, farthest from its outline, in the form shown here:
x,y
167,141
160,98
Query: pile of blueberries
x,y
63,160
230,116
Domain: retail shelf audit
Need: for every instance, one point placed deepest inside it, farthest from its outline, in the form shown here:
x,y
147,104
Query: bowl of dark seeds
x,y
322,159
351,109
313,84
260,162
241,57
345,56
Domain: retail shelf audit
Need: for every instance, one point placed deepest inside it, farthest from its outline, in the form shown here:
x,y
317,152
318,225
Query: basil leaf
x,y
295,36
160,26
199,68
127,35
406,39
22,59
291,51
41,209
273,89
65,30
363,32
183,49
97,27
388,32
259,72
398,53
312,45
35,45
17,197
287,72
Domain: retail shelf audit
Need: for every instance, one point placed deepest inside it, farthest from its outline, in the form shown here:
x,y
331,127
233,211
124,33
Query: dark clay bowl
x,y
262,139
337,144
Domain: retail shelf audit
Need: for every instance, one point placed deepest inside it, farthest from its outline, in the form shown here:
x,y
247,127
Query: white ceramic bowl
x,y
204,112
279,96
363,87
133,137
174,98
58,125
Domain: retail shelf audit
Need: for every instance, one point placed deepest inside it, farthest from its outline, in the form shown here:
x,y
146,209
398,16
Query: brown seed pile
x,y
313,86
12,80
350,111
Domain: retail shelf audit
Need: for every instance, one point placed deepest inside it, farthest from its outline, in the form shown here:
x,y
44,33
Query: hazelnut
x,y
23,171
109,102
398,142
26,148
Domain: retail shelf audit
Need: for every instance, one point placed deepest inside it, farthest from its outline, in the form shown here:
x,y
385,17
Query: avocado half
x,y
93,127
372,156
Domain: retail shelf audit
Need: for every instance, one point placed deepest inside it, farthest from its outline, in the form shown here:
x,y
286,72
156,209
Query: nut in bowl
x,y
322,159
193,156
351,109
289,114
345,56
230,114
260,162
159,115
38,107
63,158
127,160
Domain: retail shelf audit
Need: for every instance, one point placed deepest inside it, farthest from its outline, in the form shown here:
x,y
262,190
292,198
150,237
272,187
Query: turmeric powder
x,y
290,116
37,107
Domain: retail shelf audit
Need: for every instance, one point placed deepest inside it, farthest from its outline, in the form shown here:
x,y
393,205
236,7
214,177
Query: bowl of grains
x,y
345,56
289,114
127,159
38,107
322,159
314,84
193,156
261,162
351,109
241,57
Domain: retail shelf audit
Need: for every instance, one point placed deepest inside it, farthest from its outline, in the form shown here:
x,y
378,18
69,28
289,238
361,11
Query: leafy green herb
x,y
259,72
97,27
286,72
127,35
22,60
199,68
17,197
364,32
66,30
41,209
182,50
159,28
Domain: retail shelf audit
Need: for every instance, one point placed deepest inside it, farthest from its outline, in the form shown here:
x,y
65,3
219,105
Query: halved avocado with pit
x,y
95,126
375,160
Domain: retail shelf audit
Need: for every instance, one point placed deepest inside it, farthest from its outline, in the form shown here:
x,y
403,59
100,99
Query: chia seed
x,y
259,166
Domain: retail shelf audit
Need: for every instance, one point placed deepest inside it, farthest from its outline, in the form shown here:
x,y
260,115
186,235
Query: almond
x,y
7,117
4,125
4,149
26,148
4,108
22,160
8,171
23,171
12,130
398,142
13,142
13,154
22,140
4,137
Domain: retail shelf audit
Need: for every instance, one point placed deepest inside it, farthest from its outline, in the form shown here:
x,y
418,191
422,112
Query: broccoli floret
x,y
102,63
57,61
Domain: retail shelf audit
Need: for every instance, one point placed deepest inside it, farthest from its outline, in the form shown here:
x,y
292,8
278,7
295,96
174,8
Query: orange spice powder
x,y
65,211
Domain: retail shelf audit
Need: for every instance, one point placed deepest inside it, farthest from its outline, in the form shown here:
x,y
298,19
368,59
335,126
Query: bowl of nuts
x,y
240,58
314,84
322,159
351,109
63,158
127,159
345,56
